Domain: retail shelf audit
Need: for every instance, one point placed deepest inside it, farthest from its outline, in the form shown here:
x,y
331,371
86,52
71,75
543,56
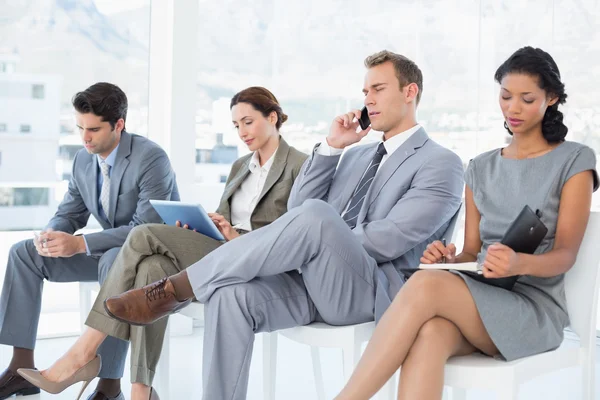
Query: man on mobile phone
x,y
353,223
113,179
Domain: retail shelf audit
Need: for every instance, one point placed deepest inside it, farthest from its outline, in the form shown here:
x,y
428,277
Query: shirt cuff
x,y
87,249
325,149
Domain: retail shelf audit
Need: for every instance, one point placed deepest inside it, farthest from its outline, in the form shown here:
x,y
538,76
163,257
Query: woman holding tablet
x,y
256,193
440,314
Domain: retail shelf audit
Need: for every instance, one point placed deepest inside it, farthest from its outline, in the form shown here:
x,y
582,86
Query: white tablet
x,y
191,214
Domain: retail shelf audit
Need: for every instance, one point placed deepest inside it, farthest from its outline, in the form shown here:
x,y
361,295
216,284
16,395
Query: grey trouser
x,y
150,253
251,285
21,300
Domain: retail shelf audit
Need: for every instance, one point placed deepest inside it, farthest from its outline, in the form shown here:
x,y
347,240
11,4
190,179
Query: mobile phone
x,y
364,120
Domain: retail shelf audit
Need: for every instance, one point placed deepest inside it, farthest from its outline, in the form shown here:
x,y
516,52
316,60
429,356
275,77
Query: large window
x,y
310,54
47,54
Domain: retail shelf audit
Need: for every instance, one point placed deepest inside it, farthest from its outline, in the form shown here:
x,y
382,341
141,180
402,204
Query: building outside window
x,y
37,91
24,197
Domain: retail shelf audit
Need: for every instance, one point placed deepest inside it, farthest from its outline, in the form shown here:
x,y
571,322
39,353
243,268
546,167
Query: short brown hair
x,y
262,100
103,99
407,71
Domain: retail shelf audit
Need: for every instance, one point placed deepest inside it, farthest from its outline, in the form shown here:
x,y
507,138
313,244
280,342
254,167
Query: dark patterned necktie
x,y
358,198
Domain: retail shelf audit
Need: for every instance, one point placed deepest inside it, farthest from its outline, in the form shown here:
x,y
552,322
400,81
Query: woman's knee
x,y
436,329
439,335
423,289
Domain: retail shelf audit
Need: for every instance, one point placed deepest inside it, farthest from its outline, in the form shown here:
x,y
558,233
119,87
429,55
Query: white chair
x,y
194,310
349,338
581,287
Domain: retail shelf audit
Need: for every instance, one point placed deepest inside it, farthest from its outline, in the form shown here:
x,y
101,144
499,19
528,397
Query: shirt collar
x,y
393,143
110,160
254,165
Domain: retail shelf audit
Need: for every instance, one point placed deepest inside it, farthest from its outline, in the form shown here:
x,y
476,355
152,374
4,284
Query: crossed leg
x,y
432,318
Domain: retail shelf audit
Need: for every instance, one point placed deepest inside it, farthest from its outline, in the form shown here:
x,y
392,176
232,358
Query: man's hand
x,y
224,226
343,130
59,244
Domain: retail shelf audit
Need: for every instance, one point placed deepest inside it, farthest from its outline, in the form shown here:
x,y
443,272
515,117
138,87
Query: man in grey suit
x,y
113,179
337,255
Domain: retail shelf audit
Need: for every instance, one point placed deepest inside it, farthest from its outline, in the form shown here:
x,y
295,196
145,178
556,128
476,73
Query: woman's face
x,y
253,128
522,101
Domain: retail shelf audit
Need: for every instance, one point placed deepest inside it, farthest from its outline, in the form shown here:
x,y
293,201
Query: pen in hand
x,y
443,256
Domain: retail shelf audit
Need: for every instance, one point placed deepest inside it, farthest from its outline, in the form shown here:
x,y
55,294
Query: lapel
x,y
405,151
92,170
360,165
121,163
279,163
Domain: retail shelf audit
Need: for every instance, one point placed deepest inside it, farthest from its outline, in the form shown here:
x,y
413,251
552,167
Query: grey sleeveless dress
x,y
529,319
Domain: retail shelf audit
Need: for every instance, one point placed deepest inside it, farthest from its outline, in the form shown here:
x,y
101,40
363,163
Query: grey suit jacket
x,y
409,204
142,171
273,199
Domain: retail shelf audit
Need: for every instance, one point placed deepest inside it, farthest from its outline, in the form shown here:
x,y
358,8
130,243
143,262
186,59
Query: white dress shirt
x,y
391,145
246,196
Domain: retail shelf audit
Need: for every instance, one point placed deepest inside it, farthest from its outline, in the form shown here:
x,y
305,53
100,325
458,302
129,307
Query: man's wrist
x,y
81,247
334,144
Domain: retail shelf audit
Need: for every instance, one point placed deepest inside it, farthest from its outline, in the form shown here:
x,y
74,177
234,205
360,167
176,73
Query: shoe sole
x,y
175,311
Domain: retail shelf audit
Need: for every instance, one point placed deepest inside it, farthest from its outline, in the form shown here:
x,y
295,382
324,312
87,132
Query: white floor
x,y
294,381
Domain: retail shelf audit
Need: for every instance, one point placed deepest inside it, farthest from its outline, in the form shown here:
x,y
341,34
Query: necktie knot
x,y
381,149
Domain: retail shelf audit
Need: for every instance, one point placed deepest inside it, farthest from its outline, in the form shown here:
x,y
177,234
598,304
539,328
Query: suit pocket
x,y
126,206
133,193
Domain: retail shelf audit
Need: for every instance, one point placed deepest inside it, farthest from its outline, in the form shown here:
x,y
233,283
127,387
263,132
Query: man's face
x,y
384,98
98,136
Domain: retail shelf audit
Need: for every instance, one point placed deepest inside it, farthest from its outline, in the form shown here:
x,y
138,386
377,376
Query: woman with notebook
x,y
256,193
442,313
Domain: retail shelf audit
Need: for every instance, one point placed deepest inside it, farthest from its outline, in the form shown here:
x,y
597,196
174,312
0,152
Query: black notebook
x,y
524,235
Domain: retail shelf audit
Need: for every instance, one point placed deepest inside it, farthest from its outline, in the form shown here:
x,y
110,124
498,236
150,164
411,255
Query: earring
x,y
505,125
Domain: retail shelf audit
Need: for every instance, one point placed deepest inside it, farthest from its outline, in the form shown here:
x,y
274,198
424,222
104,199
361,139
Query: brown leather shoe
x,y
12,383
146,305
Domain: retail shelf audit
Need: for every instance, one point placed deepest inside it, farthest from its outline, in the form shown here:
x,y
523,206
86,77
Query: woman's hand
x,y
185,226
224,226
435,252
501,262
